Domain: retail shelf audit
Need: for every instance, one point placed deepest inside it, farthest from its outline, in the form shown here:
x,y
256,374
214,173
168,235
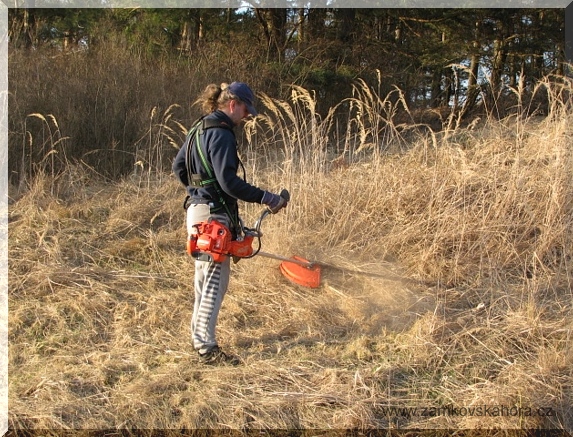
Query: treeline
x,y
432,54
101,72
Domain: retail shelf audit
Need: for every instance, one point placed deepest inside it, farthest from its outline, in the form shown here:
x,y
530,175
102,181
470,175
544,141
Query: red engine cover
x,y
214,239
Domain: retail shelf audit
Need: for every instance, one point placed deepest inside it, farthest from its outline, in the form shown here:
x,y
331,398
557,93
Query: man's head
x,y
243,93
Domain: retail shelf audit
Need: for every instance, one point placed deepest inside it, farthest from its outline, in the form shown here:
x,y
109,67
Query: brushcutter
x,y
213,241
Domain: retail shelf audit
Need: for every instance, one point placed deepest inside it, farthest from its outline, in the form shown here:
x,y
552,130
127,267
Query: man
x,y
207,166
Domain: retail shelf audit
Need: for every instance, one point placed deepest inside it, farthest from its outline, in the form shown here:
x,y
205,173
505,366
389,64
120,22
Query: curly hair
x,y
214,97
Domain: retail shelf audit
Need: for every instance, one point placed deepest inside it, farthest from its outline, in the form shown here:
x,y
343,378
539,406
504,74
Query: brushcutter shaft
x,y
284,258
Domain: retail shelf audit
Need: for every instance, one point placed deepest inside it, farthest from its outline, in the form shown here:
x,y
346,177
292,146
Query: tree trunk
x,y
315,27
186,32
274,27
473,89
498,64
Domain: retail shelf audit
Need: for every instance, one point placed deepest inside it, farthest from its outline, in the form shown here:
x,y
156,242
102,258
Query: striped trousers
x,y
211,282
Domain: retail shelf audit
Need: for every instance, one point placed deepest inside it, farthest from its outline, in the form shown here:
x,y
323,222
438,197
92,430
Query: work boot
x,y
217,356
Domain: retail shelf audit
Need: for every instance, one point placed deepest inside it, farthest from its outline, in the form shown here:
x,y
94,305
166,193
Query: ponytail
x,y
214,97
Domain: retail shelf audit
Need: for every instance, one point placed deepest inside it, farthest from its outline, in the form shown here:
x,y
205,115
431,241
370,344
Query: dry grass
x,y
450,285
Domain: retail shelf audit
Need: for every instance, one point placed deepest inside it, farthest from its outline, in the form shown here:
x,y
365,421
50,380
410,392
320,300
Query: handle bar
x,y
285,195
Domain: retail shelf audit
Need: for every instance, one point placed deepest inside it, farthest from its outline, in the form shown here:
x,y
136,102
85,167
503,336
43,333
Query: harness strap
x,y
196,180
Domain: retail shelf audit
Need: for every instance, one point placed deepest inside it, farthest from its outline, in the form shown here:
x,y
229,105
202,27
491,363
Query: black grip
x,y
285,194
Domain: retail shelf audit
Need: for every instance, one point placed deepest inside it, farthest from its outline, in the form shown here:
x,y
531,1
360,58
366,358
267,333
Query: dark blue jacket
x,y
220,149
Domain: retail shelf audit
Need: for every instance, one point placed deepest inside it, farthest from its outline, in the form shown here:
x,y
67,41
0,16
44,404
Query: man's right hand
x,y
274,202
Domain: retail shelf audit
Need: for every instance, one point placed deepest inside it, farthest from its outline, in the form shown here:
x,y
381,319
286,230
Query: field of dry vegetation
x,y
447,304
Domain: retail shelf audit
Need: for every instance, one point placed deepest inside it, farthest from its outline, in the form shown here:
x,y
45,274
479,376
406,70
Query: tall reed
x,y
487,203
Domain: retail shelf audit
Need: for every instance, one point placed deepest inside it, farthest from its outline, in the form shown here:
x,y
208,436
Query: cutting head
x,y
301,272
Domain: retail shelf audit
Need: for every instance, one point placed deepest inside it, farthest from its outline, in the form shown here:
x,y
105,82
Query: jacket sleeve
x,y
179,166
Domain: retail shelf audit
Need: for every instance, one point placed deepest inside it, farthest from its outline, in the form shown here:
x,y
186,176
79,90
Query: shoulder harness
x,y
194,140
197,180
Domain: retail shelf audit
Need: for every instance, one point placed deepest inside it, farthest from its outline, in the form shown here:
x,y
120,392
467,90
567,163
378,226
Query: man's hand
x,y
275,202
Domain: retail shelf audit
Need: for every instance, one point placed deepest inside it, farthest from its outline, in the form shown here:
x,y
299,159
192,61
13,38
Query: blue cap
x,y
244,93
